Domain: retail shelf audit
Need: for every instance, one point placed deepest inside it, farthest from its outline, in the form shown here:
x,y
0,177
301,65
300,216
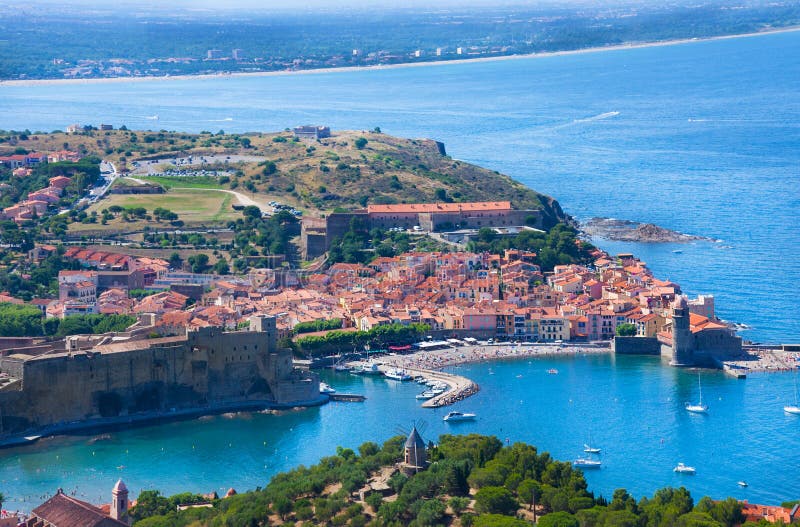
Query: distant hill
x,y
348,170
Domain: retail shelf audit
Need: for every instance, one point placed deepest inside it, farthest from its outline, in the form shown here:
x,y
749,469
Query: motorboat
x,y
426,395
583,462
590,449
698,408
367,369
397,375
684,469
552,371
459,416
324,387
742,483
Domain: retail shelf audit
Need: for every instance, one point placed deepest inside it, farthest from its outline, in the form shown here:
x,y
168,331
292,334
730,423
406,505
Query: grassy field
x,y
193,206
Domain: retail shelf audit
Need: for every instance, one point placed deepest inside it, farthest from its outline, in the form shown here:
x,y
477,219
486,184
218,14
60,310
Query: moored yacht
x,y
584,462
459,416
698,408
397,375
684,469
324,387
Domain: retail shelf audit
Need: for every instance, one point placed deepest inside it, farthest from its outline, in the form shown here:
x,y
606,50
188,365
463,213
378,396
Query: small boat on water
x,y
684,469
742,483
552,371
583,462
326,388
397,374
459,416
698,408
590,449
367,369
426,395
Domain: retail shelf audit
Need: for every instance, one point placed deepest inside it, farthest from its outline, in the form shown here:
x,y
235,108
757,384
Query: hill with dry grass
x,y
347,170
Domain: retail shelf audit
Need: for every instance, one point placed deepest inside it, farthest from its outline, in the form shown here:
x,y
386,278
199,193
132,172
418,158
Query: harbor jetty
x,y
428,364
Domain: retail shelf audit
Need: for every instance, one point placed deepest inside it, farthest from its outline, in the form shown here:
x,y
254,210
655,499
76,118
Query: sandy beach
x,y
767,360
617,47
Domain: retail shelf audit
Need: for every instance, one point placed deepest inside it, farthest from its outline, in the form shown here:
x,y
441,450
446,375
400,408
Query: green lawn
x,y
191,205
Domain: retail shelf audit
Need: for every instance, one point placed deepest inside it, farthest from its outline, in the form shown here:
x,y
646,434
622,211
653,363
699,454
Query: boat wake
x,y
600,117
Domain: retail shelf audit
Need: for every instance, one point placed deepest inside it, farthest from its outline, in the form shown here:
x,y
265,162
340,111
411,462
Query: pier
x,y
458,387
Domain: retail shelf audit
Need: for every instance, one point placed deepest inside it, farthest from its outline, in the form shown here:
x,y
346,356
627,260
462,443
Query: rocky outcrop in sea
x,y
634,231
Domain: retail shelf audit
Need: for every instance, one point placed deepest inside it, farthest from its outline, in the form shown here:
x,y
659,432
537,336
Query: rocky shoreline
x,y
634,231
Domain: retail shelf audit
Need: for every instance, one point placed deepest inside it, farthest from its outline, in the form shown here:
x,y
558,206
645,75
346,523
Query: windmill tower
x,y
415,455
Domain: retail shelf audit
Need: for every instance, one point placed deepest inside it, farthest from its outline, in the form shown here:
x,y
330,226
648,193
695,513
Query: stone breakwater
x,y
428,364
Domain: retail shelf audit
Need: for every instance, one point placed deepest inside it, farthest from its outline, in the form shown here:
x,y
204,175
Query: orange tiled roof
x,y
440,207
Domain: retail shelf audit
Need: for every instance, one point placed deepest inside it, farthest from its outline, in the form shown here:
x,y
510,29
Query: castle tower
x,y
682,338
415,454
119,502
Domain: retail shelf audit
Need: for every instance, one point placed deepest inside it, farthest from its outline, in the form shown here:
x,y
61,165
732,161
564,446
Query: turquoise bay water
x,y
631,407
700,137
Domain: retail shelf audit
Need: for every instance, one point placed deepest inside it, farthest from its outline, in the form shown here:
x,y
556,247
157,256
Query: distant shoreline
x,y
204,76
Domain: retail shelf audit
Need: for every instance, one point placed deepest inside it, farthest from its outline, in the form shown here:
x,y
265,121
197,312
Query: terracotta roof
x,y
65,511
440,207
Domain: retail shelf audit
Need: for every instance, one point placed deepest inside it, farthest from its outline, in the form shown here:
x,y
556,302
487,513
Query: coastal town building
x,y
313,132
317,236
63,510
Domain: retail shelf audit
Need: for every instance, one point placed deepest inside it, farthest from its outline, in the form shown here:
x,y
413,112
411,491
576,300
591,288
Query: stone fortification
x,y
206,368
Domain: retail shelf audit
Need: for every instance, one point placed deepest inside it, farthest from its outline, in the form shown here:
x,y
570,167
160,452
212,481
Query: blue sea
x,y
702,137
630,407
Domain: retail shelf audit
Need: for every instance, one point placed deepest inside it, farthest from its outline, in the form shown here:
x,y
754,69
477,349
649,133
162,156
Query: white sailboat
x,y
590,449
793,408
698,408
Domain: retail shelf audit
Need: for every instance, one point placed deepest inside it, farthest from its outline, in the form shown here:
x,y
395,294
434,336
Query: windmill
x,y
415,456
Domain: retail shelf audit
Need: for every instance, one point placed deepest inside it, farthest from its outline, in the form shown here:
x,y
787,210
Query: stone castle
x,y
47,388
